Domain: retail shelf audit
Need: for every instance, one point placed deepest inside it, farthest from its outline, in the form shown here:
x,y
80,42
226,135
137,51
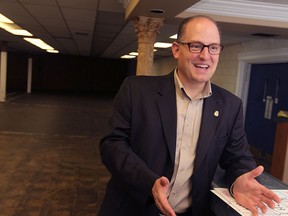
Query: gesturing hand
x,y
251,194
159,192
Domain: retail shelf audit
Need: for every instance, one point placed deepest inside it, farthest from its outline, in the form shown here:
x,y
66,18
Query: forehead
x,y
201,29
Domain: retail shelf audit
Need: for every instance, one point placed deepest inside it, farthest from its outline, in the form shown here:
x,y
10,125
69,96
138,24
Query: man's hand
x,y
159,192
251,194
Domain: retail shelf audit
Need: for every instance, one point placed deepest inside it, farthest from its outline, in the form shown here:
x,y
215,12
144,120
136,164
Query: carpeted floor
x,y
50,163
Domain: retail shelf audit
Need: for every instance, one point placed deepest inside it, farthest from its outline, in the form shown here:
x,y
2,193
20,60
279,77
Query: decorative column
x,y
147,29
3,72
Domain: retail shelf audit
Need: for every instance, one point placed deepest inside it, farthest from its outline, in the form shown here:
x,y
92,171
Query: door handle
x,y
265,90
268,107
276,91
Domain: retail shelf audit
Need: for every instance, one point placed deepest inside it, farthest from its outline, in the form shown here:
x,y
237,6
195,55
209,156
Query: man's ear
x,y
175,50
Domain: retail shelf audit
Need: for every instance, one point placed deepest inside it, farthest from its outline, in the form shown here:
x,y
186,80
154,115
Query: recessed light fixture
x,y
4,19
38,42
9,26
173,36
13,28
162,45
157,11
19,32
133,53
128,56
52,51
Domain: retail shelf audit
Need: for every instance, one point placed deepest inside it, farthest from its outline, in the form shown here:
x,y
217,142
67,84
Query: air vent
x,y
157,11
81,33
264,35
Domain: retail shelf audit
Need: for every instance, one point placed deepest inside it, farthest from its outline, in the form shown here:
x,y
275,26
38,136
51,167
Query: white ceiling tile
x,y
84,27
39,2
59,32
40,11
69,45
51,23
79,15
79,4
10,9
111,6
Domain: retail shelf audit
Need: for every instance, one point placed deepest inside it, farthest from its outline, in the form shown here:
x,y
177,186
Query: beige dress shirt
x,y
189,113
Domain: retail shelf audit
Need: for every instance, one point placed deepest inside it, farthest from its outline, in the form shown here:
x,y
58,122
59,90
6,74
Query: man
x,y
170,132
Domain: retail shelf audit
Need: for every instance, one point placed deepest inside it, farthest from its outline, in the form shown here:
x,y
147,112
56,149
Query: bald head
x,y
183,24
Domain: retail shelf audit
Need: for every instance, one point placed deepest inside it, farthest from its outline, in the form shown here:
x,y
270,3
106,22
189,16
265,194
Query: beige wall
x,y
164,65
227,71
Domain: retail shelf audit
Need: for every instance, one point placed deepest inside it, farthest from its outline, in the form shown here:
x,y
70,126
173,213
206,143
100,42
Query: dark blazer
x,y
141,145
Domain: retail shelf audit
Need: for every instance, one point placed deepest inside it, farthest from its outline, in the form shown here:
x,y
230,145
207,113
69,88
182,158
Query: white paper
x,y
280,209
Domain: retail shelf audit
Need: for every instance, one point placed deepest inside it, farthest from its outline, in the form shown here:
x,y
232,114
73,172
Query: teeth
x,y
201,66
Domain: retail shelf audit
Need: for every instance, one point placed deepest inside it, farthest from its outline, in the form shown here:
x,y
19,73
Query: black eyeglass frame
x,y
203,46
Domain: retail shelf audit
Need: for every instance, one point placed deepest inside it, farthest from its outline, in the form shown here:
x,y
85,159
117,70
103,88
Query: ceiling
x,y
105,28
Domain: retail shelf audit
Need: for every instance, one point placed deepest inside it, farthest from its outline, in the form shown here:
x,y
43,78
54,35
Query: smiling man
x,y
169,133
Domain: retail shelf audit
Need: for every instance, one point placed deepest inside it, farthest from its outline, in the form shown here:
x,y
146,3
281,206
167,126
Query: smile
x,y
201,66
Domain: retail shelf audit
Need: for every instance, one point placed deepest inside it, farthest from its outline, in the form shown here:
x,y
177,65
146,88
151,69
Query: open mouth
x,y
201,66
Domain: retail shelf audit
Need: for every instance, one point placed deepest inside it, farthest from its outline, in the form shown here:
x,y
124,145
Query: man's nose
x,y
205,52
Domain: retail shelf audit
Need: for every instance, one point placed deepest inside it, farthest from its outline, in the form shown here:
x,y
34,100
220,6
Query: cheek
x,y
215,60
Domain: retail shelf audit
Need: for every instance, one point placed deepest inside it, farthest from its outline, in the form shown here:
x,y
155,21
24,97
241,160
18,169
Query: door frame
x,y
245,60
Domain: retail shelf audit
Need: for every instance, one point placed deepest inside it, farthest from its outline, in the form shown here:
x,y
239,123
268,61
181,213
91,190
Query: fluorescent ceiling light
x,y
133,53
52,51
162,45
5,19
173,36
20,32
38,42
11,27
7,26
128,56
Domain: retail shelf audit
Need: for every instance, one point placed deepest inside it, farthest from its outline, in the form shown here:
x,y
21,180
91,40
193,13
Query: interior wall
x,y
227,71
67,73
164,65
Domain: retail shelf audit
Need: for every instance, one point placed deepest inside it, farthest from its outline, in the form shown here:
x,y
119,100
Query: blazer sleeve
x,y
117,153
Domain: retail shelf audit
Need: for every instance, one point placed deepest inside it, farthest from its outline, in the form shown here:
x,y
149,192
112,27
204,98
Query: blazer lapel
x,y
210,119
167,110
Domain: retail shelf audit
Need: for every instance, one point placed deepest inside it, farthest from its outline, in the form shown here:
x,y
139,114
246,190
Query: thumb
x,y
256,172
164,181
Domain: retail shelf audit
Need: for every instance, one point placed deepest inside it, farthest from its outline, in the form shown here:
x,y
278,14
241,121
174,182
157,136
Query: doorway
x,y
245,62
267,95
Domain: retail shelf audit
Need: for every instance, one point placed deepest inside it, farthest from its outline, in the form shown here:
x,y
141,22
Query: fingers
x,y
165,207
263,207
159,192
254,211
271,196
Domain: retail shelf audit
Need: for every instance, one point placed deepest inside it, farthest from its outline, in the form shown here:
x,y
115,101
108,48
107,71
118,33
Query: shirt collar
x,y
207,91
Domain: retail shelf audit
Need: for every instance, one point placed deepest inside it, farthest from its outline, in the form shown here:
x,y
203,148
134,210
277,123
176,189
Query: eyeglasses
x,y
197,47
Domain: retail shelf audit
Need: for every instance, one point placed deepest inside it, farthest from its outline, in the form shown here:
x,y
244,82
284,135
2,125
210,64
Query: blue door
x,y
268,93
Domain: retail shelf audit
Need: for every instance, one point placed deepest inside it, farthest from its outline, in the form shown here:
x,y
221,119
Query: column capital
x,y
147,28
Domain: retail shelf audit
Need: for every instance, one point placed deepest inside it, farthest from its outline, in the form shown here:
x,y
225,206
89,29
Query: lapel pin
x,y
216,113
